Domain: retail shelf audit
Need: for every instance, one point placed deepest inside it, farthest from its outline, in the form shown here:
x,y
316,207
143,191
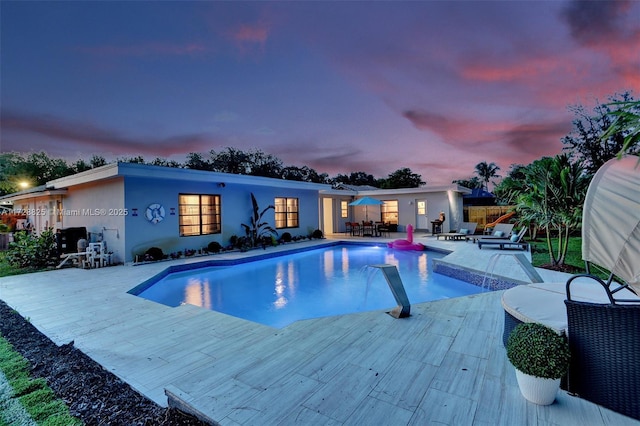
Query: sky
x,y
435,86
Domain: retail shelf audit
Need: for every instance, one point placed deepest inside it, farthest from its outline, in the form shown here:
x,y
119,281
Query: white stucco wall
x,y
100,209
447,201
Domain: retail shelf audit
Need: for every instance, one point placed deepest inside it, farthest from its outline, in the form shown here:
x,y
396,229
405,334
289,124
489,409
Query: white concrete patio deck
x,y
443,365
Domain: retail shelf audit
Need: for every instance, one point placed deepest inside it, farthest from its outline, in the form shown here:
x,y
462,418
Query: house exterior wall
x,y
100,208
447,201
236,209
339,222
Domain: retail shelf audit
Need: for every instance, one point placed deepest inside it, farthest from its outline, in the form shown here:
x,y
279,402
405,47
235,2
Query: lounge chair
x,y
490,227
501,230
465,232
514,241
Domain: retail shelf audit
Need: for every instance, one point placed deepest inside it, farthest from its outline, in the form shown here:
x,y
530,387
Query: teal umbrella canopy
x,y
366,201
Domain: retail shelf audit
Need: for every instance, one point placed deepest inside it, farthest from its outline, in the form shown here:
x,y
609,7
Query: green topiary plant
x,y
154,253
214,247
537,350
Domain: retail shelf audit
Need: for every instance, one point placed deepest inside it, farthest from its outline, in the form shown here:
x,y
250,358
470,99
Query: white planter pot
x,y
536,389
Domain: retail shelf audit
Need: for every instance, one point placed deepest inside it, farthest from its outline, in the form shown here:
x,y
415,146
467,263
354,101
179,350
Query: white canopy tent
x,y
611,220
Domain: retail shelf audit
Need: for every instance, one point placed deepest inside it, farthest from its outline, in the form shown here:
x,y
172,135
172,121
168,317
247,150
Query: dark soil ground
x,y
92,393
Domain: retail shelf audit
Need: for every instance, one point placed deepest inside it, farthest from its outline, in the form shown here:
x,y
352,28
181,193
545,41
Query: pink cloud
x,y
246,33
250,38
524,69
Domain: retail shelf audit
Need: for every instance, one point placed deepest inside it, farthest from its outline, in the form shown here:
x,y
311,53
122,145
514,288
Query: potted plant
x,y
541,358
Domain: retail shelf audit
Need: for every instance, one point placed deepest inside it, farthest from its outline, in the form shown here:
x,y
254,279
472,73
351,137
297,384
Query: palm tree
x,y
553,200
486,172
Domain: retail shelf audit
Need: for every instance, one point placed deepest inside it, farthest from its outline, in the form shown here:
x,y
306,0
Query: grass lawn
x,y
24,400
540,253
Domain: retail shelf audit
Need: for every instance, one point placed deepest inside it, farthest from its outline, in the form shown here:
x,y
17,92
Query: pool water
x,y
311,284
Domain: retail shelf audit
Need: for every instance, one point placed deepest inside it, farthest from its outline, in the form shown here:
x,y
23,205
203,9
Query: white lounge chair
x,y
465,232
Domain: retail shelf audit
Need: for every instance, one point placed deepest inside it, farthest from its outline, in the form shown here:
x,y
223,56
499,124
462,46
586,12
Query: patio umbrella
x,y
366,201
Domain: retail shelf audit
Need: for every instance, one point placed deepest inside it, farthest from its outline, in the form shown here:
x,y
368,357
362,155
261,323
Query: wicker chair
x,y
605,346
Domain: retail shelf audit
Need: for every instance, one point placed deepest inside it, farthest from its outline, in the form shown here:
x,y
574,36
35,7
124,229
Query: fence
x,y
484,214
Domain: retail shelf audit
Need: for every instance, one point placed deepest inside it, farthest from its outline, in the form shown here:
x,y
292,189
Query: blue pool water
x,y
310,284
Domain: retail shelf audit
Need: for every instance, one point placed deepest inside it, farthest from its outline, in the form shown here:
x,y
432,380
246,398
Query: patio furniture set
x,y
368,229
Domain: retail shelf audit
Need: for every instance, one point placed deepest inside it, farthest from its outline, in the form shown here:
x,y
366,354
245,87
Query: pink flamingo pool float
x,y
407,244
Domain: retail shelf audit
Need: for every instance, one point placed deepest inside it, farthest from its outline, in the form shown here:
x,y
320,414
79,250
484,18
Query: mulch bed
x,y
92,393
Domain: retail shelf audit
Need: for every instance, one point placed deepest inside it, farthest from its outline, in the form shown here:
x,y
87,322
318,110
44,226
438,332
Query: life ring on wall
x,y
155,213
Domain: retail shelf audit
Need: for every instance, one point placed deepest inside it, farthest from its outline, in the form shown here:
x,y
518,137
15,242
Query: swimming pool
x,y
311,284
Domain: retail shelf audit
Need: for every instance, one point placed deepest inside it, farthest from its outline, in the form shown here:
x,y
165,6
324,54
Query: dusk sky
x,y
338,86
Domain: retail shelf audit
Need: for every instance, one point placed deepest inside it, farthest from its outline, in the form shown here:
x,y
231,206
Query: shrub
x,y
538,351
214,247
257,229
154,253
286,237
316,234
33,251
244,244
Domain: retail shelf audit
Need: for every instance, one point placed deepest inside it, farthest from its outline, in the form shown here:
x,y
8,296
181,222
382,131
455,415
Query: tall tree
x,y
231,160
36,168
303,174
487,171
511,186
97,161
196,161
263,164
166,163
402,178
599,136
135,160
471,183
553,200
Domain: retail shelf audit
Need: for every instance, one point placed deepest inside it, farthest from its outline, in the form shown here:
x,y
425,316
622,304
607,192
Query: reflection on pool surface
x,y
310,284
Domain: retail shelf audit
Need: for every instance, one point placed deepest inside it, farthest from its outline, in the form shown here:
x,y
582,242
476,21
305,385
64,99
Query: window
x,y
422,207
389,211
344,209
286,213
199,214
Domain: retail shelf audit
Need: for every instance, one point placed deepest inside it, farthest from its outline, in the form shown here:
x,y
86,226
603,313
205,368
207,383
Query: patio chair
x,y
514,241
465,232
96,255
489,228
604,344
382,229
501,230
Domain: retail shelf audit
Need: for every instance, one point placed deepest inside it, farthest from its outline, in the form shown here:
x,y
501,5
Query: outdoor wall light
x,y
221,185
